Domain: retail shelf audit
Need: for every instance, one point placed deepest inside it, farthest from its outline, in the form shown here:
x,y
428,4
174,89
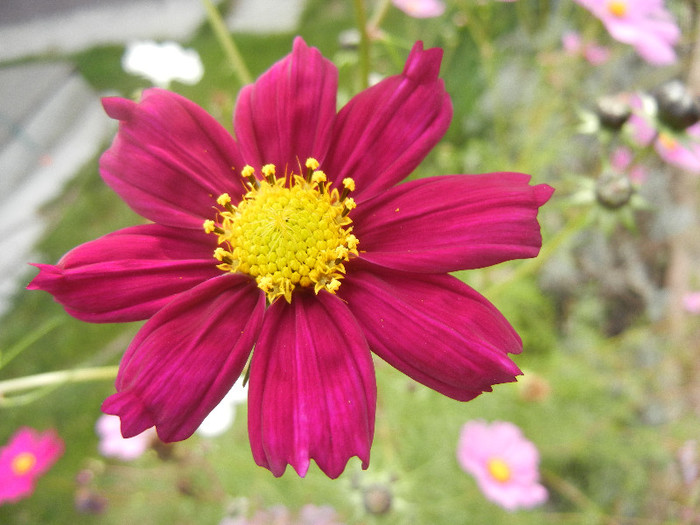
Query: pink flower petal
x,y
448,223
130,274
433,328
170,159
186,358
384,132
286,116
312,388
421,8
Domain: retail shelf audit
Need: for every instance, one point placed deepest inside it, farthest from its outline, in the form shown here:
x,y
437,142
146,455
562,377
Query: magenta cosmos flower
x,y
254,244
24,459
504,463
644,24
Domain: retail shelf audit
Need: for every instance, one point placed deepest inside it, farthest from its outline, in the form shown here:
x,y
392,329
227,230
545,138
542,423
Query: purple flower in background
x,y
573,44
113,445
252,244
504,463
421,8
27,456
644,24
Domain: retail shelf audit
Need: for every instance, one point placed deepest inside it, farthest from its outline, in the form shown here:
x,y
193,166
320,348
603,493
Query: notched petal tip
x,y
423,65
543,192
133,414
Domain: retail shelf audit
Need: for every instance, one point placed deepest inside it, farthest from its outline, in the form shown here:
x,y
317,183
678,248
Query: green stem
x,y
28,340
379,13
56,378
364,43
227,43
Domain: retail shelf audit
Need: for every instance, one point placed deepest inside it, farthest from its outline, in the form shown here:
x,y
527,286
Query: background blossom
x,y
504,463
644,24
27,456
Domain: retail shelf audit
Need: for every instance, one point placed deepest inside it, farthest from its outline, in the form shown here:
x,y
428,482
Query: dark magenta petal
x,y
384,132
287,114
186,358
433,328
312,388
130,274
449,223
170,159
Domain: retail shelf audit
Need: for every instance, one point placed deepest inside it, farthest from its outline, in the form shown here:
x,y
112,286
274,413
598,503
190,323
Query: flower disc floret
x,y
286,232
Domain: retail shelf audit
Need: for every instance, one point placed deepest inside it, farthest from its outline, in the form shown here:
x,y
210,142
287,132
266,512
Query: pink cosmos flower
x,y
644,24
113,445
421,8
24,459
287,261
504,463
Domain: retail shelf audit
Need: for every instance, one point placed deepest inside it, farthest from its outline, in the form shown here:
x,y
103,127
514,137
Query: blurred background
x,y
609,313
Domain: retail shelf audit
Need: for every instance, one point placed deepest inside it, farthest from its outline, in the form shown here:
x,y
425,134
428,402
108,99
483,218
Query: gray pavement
x,y
51,121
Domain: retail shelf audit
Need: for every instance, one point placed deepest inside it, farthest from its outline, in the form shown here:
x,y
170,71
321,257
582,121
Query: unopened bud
x,y
377,499
613,190
613,111
677,107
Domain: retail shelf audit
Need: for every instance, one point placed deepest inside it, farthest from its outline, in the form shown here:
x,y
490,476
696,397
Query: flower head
x,y
644,24
504,463
295,237
24,459
113,445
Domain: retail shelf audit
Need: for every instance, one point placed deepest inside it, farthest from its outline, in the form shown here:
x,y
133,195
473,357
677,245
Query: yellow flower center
x,y
617,8
499,470
667,141
286,232
23,463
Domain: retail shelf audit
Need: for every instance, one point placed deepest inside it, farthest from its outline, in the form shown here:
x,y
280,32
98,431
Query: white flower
x,y
163,63
221,418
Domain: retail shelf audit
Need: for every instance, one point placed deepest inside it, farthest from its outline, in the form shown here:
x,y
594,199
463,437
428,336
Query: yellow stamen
x,y
286,233
23,463
499,469
667,141
617,8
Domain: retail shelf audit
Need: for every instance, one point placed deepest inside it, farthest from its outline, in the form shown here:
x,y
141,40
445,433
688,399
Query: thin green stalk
x,y
24,343
51,379
379,13
364,43
227,43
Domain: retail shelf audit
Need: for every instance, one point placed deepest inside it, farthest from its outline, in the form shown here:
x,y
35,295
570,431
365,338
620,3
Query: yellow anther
x,y
209,226
318,177
617,8
349,184
312,163
223,199
248,171
333,285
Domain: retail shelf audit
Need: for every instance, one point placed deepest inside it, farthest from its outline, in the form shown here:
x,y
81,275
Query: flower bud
x,y
377,499
613,111
677,107
613,190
